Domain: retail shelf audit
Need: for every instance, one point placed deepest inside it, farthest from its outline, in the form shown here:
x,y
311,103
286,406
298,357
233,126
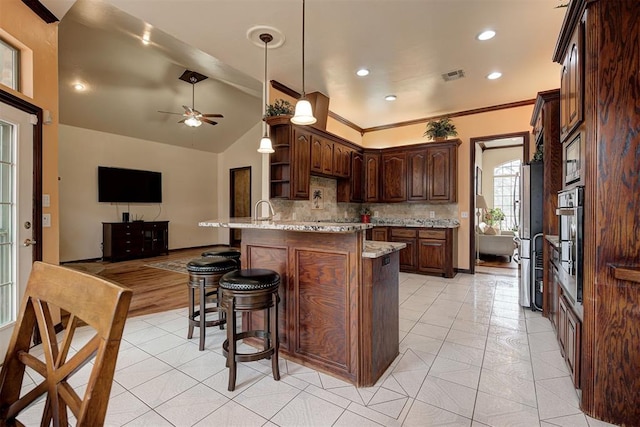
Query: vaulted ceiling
x,y
406,44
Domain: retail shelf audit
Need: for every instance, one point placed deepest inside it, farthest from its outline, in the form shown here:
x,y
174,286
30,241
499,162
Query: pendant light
x,y
303,114
265,142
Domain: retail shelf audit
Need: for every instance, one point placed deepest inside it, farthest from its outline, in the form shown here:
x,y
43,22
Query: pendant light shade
x,y
192,122
265,142
303,114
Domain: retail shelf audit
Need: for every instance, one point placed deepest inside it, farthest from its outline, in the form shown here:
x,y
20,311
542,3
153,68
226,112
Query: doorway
x,y
481,177
20,195
240,203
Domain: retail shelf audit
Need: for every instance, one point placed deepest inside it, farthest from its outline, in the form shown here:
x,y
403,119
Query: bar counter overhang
x,y
338,310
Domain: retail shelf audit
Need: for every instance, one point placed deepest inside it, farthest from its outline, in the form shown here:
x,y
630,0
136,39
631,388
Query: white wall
x,y
241,154
189,190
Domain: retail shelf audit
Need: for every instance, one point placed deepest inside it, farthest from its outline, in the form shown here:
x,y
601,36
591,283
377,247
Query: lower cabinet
x,y
129,240
428,251
569,330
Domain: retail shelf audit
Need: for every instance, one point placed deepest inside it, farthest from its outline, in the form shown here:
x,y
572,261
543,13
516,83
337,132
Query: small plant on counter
x,y
365,215
279,108
365,211
440,129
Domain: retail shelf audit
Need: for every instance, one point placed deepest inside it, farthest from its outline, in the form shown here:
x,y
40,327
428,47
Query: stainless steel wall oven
x,y
571,215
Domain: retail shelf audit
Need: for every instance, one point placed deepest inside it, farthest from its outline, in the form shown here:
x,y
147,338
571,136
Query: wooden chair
x,y
100,304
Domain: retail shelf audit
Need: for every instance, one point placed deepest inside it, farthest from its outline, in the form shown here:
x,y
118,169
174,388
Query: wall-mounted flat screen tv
x,y
118,185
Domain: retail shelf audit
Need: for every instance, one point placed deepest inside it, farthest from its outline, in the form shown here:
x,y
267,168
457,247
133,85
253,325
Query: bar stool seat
x,y
204,277
225,253
246,291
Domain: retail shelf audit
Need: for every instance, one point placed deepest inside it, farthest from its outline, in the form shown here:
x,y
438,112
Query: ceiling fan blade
x,y
208,121
170,112
182,121
213,115
188,109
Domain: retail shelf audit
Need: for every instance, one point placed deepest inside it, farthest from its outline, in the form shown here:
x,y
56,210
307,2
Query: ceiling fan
x,y
193,117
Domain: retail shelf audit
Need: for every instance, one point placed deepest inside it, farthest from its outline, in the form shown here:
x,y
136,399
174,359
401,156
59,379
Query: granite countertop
x,y
313,227
377,249
417,222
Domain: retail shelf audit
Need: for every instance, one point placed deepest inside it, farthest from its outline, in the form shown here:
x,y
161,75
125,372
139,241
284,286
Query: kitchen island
x,y
338,310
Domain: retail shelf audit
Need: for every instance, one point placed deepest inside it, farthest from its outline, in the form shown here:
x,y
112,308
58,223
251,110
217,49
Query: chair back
x,y
91,302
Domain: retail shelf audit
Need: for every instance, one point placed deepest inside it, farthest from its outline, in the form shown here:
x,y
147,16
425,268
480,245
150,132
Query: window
x,y
9,60
506,190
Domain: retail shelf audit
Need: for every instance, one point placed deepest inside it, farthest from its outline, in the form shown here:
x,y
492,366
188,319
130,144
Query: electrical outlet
x,y
464,214
375,214
432,214
293,216
46,220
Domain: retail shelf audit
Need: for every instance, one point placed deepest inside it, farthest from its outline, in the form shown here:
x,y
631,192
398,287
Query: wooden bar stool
x,y
225,253
246,291
204,276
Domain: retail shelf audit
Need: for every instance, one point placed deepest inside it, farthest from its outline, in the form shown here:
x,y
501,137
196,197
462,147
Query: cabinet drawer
x,y
403,232
432,234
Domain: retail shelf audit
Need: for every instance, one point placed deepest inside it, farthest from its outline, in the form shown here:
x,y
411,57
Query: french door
x,y
16,213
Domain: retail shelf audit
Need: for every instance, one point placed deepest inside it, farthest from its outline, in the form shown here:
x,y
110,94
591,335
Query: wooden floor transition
x,y
154,290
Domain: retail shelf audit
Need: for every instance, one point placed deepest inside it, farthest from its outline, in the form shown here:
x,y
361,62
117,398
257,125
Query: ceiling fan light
x,y
265,146
192,122
303,114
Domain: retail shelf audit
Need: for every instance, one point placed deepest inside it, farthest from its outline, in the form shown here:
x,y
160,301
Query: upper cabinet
x,y
417,175
290,163
571,87
394,176
371,176
442,172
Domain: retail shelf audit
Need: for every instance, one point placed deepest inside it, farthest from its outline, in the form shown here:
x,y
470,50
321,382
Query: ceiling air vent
x,y
453,75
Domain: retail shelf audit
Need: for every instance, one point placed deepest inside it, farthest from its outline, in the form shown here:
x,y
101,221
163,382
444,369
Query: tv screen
x,y
129,185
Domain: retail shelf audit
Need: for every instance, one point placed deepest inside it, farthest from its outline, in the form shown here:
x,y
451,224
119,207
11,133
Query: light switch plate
x,y
46,220
464,214
46,201
432,214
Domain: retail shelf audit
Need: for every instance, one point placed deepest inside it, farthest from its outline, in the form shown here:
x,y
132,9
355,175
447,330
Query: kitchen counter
x,y
337,291
416,222
306,226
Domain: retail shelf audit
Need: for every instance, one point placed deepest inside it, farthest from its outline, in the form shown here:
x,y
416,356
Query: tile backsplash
x,y
325,207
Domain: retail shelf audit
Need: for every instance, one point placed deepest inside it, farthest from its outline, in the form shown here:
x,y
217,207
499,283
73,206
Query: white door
x,y
16,222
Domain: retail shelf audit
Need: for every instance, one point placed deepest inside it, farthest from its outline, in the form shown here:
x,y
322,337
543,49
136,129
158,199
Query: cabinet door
x,y
408,254
394,177
340,168
327,157
572,347
441,178
357,171
301,165
371,177
417,175
562,324
379,234
432,255
571,85
316,155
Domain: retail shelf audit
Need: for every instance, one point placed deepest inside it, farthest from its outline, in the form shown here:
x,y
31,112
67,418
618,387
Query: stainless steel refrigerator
x,y
530,236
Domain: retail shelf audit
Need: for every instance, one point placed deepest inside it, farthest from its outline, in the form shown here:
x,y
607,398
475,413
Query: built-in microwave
x,y
573,160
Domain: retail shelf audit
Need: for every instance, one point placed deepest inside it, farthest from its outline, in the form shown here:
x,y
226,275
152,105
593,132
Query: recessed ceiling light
x,y
390,98
486,35
362,72
494,75
79,87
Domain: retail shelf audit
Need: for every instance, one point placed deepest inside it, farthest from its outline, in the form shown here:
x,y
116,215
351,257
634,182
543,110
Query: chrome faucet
x,y
267,218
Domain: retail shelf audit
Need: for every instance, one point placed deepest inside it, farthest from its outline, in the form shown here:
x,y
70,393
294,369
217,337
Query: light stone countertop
x,y
377,249
313,227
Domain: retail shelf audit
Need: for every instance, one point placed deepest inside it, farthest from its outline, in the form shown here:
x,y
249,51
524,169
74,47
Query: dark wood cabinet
x,y
371,177
291,162
379,234
562,323
569,330
330,158
571,91
442,172
394,177
435,252
316,155
301,164
130,240
351,189
326,148
417,175
408,255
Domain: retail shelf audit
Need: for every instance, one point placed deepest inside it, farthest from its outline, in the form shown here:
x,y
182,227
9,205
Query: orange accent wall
x,y
18,21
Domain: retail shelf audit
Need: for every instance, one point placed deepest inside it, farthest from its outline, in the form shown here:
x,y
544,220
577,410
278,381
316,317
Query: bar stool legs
x,y
247,291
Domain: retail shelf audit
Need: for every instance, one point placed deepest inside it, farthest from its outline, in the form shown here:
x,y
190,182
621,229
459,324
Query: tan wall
x,y
19,22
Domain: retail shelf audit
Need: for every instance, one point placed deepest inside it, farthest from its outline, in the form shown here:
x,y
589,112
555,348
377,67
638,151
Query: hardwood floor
x,y
154,289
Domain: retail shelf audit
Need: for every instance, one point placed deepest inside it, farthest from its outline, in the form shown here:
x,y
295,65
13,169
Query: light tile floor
x,y
469,356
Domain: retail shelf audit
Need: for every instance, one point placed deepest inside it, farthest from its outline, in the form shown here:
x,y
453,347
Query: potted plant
x,y
493,217
281,107
365,215
440,129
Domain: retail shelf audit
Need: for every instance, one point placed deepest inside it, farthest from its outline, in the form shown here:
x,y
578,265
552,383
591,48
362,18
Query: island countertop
x,y
318,227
